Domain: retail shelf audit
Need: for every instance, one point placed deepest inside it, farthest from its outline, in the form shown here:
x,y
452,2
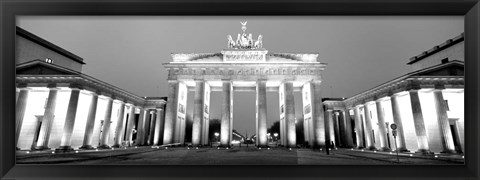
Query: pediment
x,y
453,69
38,67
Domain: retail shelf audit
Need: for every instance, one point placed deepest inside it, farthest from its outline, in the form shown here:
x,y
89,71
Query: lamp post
x,y
216,136
268,137
276,141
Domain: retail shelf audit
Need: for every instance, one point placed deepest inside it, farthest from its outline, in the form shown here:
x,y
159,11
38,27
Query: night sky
x,y
361,51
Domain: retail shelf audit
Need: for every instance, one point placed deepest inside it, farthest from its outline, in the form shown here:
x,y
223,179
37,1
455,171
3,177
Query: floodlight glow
x,y
28,152
113,149
290,149
135,146
188,147
166,147
375,151
436,156
227,148
463,157
76,151
259,148
362,150
411,155
96,149
197,148
218,148
53,152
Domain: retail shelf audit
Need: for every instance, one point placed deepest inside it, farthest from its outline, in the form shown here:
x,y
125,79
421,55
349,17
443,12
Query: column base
x,y
262,146
64,149
360,147
116,146
17,148
372,148
224,146
41,148
385,149
423,152
87,147
103,147
448,152
403,150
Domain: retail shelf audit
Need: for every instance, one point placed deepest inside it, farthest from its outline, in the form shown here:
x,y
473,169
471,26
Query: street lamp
x,y
275,134
268,137
216,135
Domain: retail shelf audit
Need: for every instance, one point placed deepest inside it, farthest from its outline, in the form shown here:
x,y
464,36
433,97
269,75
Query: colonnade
x,y
363,122
174,121
152,123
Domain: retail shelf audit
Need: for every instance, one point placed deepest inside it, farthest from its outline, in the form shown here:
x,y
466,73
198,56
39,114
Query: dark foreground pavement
x,y
232,156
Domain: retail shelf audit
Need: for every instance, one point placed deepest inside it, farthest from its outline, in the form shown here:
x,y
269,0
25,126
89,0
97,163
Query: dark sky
x,y
361,51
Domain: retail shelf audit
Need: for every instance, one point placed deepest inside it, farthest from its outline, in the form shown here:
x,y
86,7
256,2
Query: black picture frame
x,y
470,9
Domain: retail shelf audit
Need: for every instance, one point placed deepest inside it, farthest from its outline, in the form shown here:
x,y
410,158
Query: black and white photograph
x,y
240,90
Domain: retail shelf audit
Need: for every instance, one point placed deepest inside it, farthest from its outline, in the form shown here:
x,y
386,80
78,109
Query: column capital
x,y
369,102
22,86
75,86
52,86
439,87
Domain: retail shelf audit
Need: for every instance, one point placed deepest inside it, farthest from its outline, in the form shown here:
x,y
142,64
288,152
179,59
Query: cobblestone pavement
x,y
232,156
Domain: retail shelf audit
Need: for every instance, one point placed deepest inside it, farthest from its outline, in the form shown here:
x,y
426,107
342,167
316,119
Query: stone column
x,y
442,119
159,125
358,128
397,119
381,126
225,131
348,129
146,125
120,126
336,128
261,113
65,143
368,127
48,116
141,127
131,124
290,115
206,128
92,110
107,121
21,106
328,121
420,130
198,112
152,127
282,133
171,112
318,116
16,94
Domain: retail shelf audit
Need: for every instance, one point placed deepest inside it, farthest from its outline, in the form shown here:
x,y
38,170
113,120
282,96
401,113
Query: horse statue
x,y
231,43
238,43
258,43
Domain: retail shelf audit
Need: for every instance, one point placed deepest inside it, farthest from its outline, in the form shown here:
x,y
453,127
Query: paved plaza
x,y
232,156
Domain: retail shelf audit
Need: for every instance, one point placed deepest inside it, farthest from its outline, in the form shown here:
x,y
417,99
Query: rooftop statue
x,y
244,41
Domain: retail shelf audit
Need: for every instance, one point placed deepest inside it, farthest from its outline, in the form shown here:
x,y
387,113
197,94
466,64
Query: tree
x,y
275,128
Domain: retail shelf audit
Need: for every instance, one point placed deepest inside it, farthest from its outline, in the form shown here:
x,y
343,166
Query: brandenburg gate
x,y
244,66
